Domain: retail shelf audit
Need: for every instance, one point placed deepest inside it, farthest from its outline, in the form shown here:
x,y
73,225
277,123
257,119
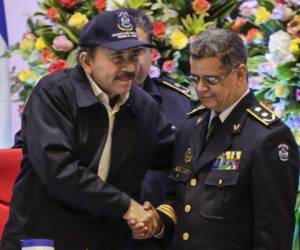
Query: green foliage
x,y
194,25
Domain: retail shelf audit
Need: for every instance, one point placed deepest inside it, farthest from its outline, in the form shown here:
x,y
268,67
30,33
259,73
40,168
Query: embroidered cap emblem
x,y
124,22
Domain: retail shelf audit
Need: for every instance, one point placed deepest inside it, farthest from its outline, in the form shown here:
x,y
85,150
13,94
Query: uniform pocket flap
x,y
222,178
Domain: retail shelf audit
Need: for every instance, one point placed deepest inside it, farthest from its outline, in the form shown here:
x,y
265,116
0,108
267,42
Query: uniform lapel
x,y
198,137
219,143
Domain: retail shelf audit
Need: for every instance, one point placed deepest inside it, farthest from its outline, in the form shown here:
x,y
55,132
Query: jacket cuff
x,y
169,221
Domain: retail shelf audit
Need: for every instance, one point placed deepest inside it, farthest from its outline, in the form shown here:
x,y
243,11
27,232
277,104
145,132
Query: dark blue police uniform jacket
x,y
58,194
238,190
174,101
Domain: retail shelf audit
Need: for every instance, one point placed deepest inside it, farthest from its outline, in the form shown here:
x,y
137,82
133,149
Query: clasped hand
x,y
143,220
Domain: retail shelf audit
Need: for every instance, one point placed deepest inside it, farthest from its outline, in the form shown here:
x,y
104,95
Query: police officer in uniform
x,y
89,137
173,99
236,164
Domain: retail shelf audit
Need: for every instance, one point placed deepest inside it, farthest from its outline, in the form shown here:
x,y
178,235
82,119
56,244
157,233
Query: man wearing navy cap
x,y
89,137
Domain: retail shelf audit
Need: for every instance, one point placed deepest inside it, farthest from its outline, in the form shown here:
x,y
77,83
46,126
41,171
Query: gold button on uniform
x,y
187,208
185,236
193,182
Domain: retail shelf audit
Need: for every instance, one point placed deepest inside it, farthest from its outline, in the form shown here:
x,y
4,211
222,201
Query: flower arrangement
x,y
274,55
271,30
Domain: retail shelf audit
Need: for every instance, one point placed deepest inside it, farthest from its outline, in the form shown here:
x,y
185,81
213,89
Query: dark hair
x,y
222,43
89,50
142,21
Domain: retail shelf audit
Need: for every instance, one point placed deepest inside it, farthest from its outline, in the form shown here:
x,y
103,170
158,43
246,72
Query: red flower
x,y
100,4
59,65
201,6
69,4
46,56
53,14
159,29
168,66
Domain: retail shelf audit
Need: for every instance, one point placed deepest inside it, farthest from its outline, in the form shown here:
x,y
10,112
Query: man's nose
x,y
201,86
130,65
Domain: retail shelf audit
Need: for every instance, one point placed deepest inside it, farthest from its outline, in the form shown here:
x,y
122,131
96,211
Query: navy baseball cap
x,y
112,30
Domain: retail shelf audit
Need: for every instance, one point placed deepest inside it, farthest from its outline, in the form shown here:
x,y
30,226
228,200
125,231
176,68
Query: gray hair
x,y
222,43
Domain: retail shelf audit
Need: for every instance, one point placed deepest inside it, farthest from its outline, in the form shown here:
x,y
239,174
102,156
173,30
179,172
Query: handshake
x,y
144,221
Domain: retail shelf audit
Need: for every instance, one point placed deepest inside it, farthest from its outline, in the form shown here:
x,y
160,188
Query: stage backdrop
x,y
15,13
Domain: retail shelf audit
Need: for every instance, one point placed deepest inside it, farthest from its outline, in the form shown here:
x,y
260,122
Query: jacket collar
x,y
84,94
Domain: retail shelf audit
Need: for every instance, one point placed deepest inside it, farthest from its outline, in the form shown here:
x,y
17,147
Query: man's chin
x,y
208,103
125,87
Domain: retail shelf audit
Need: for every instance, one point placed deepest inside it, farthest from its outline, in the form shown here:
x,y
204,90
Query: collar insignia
x,y
188,155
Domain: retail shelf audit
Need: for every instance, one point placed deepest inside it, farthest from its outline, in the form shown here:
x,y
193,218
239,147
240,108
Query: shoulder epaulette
x,y
263,114
175,86
196,111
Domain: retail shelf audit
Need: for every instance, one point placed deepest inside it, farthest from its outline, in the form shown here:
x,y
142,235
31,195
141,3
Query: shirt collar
x,y
224,114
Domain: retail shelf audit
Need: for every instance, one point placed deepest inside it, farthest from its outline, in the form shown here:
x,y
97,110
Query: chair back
x,y
10,162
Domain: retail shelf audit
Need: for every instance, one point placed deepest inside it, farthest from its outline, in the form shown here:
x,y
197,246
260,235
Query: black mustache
x,y
125,76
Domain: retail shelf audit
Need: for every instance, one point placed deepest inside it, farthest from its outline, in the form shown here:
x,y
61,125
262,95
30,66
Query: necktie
x,y
215,124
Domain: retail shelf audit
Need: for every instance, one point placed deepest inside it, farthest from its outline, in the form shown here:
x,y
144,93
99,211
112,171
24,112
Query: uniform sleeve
x,y
274,189
169,219
50,143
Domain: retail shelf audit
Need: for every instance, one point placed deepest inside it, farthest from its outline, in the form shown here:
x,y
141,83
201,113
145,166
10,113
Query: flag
x,y
5,101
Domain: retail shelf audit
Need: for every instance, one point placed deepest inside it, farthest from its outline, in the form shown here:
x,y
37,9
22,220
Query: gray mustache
x,y
125,76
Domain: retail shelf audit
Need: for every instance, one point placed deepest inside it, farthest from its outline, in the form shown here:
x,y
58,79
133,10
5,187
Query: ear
x,y
242,73
85,62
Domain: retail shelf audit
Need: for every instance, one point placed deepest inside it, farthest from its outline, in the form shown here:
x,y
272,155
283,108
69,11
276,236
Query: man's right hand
x,y
143,220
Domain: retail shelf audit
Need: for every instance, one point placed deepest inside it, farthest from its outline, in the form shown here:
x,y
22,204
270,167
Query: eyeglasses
x,y
209,80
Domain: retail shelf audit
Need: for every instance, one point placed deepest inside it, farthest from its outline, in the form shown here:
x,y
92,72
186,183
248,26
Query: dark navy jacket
x,y
58,194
